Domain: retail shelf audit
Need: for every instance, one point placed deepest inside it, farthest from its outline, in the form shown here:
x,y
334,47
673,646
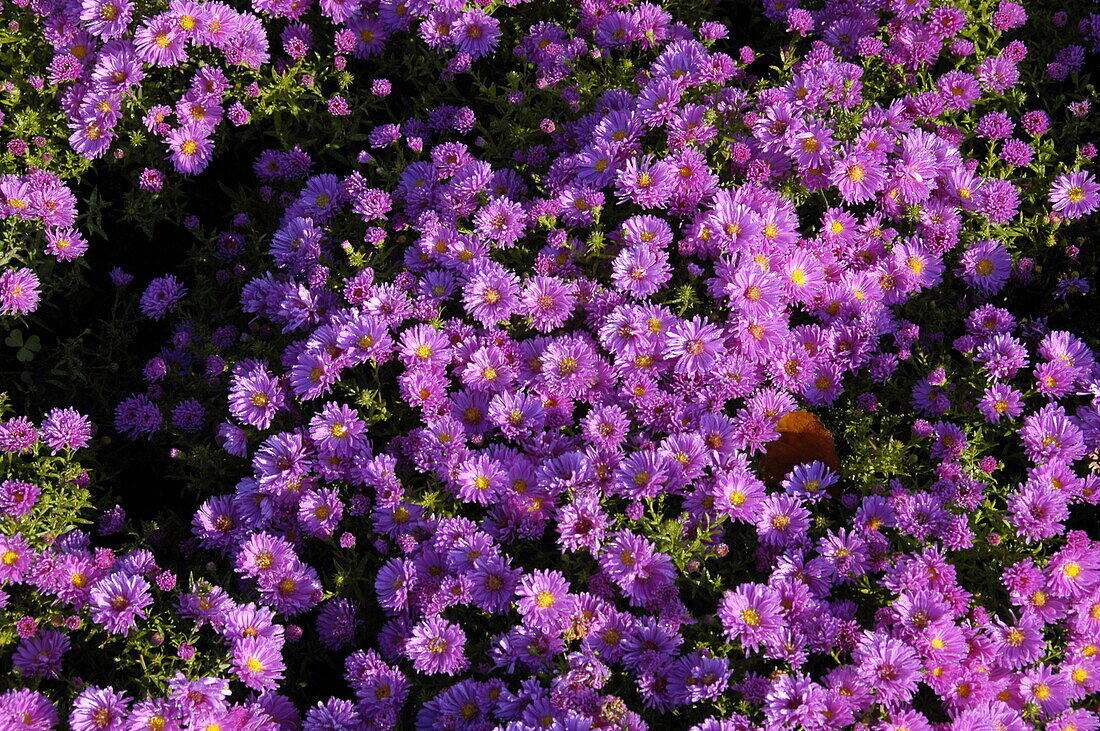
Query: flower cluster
x,y
529,431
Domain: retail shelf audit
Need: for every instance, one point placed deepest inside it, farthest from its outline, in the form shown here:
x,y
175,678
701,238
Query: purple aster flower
x,y
160,41
493,583
337,623
19,294
394,582
161,296
1018,644
501,221
17,435
65,244
190,148
858,176
118,600
888,666
281,460
782,520
18,498
337,430
1051,435
809,481
548,301
1000,401
751,614
544,599
263,555
696,345
999,200
40,656
320,512
491,295
15,558
641,270
1002,356
138,416
986,266
66,429
645,181
296,590
250,620
436,645
255,396
258,661
27,710
334,714
106,19
1075,194
99,709
475,33
1037,512
188,416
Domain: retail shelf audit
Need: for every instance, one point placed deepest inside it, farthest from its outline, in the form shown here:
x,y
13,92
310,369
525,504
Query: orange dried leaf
x,y
803,438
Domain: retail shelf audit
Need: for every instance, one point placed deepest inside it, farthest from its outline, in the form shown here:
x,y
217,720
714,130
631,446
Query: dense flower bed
x,y
531,365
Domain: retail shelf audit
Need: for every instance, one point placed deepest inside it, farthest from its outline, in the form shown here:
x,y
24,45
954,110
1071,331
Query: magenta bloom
x,y
160,41
986,266
255,396
66,429
644,181
65,244
337,430
106,18
888,666
548,301
858,176
1075,194
190,148
15,558
502,221
41,655
1000,401
99,709
492,294
696,345
1019,644
475,33
18,498
751,614
641,270
19,294
543,599
27,710
118,600
437,646
258,661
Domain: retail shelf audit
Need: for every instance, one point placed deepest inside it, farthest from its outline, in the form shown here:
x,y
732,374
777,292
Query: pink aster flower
x,y
751,614
437,645
696,345
1075,194
544,599
19,294
190,148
